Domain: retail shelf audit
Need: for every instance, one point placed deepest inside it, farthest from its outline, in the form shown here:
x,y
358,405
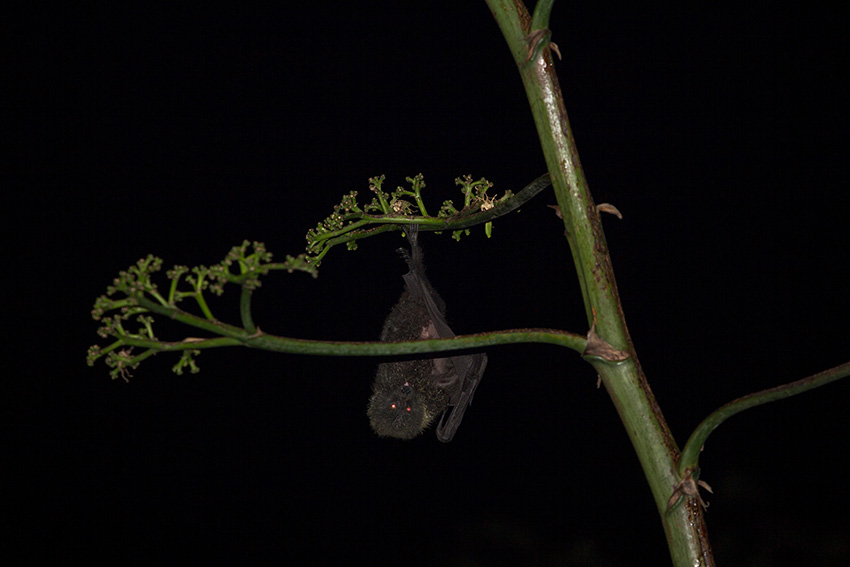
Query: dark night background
x,y
720,134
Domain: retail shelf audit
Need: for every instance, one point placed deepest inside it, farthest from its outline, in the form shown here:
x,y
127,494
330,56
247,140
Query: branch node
x,y
689,487
539,39
596,346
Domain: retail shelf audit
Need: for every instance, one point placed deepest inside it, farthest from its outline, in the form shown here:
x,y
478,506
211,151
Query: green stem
x,y
462,220
237,336
690,454
274,343
172,289
381,195
363,220
245,310
157,296
508,205
202,303
625,382
193,344
462,342
350,237
542,11
140,357
208,324
110,348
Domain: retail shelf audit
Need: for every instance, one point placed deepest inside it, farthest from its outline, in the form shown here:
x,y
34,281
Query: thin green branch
x,y
351,237
380,348
362,220
134,361
263,341
200,283
186,344
158,297
691,451
245,310
356,224
123,362
202,303
417,184
542,11
210,325
502,207
137,284
95,354
174,275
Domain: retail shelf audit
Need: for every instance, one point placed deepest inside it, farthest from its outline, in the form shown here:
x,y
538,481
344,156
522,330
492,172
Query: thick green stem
x,y
625,382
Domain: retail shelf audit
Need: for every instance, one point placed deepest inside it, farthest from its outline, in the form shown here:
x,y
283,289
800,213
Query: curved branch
x,y
231,335
690,453
274,343
263,341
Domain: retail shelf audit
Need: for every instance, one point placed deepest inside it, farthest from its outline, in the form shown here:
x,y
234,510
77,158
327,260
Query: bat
x,y
408,396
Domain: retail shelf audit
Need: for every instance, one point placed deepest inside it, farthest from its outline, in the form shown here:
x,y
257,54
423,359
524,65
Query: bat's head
x,y
397,412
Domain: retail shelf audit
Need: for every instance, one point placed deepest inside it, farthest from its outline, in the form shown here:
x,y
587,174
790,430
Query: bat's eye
x,y
409,409
392,406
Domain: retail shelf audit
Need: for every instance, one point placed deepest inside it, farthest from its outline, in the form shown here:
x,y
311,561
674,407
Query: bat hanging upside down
x,y
409,396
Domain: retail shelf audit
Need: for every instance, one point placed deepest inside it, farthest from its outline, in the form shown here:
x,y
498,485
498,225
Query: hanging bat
x,y
409,396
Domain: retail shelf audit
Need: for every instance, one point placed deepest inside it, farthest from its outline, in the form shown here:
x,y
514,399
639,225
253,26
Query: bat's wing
x,y
418,286
473,369
468,369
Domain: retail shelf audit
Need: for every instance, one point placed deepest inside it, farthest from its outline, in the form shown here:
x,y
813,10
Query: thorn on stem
x,y
609,208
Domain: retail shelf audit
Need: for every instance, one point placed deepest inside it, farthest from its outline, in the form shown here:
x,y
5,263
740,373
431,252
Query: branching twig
x,y
350,222
135,297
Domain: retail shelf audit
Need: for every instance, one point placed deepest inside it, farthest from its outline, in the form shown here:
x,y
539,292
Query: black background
x,y
720,134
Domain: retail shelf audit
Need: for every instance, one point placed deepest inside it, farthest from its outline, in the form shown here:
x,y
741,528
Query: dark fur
x,y
409,396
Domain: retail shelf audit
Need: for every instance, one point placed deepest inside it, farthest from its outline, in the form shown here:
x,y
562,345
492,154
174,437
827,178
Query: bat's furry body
x,y
409,396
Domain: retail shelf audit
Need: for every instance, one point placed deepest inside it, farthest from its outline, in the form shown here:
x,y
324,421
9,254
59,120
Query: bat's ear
x,y
429,332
